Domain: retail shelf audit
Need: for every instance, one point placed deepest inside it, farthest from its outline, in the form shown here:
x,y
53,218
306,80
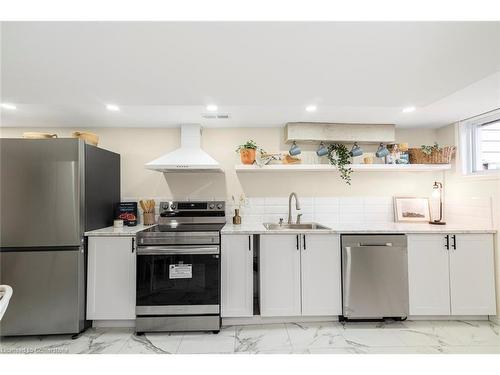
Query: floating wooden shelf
x,y
355,167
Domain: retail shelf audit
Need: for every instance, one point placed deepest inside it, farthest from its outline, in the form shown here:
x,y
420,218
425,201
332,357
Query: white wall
x,y
138,146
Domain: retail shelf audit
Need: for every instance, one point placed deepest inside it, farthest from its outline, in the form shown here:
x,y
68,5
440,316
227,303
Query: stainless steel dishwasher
x,y
374,276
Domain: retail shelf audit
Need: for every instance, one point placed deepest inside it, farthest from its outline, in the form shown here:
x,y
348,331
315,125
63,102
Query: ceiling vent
x,y
216,116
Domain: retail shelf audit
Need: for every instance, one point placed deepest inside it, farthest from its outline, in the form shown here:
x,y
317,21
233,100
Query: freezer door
x,y
375,279
49,291
40,192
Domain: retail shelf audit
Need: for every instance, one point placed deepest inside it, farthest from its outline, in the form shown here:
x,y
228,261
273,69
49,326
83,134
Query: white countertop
x,y
334,228
112,231
361,228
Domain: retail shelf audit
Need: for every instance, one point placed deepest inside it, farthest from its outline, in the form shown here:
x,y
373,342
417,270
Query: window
x,y
480,144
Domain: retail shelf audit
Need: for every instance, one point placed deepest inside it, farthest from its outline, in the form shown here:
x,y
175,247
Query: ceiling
x,y
261,73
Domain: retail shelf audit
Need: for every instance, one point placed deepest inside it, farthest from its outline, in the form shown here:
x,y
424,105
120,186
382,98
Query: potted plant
x,y
338,155
247,151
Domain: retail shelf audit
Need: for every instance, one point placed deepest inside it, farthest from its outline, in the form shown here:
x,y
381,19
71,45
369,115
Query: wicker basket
x,y
88,137
443,156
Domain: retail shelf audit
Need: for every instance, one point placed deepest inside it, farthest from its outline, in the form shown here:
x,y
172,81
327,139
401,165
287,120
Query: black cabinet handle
x,y
249,243
447,242
304,241
297,237
133,244
454,242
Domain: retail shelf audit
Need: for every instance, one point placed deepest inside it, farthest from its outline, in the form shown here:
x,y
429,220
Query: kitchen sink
x,y
306,226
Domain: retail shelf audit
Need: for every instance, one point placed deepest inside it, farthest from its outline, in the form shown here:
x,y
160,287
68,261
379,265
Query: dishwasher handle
x,y
387,244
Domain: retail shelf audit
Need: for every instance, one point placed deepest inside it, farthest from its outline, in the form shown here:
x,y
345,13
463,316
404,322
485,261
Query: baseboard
x,y
495,319
448,317
114,323
257,319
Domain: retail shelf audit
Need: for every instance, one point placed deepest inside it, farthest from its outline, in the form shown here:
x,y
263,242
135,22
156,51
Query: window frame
x,y
469,139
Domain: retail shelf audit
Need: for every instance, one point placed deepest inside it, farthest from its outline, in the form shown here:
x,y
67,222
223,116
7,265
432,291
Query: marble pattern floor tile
x,y
258,338
205,343
472,349
152,343
409,337
315,335
399,350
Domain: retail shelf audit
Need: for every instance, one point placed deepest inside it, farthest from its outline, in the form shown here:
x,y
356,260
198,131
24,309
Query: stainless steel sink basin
x,y
306,226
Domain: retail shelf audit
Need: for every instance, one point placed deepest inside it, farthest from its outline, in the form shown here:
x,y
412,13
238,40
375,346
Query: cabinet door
x,y
280,275
472,278
321,275
111,278
237,276
428,275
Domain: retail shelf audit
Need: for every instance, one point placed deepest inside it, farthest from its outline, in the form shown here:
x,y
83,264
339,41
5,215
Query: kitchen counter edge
x,y
118,232
343,229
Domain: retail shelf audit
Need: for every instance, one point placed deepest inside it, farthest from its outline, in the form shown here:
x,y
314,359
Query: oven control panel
x,y
193,206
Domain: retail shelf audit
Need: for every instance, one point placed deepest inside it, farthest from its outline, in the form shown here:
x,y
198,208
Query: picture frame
x,y
412,210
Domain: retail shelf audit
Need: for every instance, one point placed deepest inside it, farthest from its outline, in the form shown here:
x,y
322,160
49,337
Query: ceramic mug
x,y
322,150
382,151
356,150
294,150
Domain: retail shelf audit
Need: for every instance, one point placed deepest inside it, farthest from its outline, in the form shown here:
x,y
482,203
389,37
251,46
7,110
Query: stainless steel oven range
x,y
178,269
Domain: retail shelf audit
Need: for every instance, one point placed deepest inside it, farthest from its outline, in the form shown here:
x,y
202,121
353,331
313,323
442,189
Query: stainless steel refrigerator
x,y
52,191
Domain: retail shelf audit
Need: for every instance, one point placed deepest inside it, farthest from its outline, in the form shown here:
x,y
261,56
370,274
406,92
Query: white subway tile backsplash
x,y
345,210
256,201
276,209
332,218
352,201
276,201
326,201
384,201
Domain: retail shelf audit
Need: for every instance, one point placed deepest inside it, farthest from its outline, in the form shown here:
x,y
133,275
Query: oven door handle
x,y
168,250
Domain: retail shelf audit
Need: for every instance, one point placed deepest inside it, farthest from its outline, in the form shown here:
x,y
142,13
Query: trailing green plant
x,y
429,149
341,160
250,144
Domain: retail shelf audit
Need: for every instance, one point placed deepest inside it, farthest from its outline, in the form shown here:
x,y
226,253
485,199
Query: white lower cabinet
x,y
472,275
111,278
300,275
237,276
451,274
428,275
280,275
321,275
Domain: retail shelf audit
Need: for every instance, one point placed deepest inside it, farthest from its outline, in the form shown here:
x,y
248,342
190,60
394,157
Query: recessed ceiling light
x,y
211,108
311,108
8,106
112,107
409,109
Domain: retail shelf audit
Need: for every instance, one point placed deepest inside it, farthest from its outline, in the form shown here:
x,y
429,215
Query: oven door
x,y
178,280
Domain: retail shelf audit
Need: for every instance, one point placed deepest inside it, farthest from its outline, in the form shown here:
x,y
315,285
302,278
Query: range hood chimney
x,y
189,157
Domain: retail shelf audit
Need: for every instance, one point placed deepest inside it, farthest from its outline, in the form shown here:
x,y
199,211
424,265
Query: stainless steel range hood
x,y
189,157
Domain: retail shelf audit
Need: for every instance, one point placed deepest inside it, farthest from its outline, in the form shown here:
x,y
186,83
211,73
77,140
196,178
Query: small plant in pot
x,y
247,151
